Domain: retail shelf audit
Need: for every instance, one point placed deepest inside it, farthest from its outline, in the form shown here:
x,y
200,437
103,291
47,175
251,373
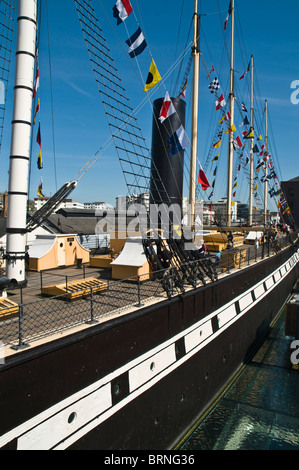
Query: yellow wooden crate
x,y
215,247
103,261
7,308
75,289
232,258
218,241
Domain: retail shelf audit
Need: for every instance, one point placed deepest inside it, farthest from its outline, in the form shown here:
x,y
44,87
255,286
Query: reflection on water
x,y
261,409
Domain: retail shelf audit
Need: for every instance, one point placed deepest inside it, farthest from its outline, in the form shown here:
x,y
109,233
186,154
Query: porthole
x,y
152,366
116,389
72,417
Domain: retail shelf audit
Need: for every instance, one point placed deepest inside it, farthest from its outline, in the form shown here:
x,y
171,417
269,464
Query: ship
x,y
145,357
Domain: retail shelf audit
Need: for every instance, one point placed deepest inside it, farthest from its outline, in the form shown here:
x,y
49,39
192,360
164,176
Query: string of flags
x,y
36,82
228,15
246,71
38,136
136,42
264,162
214,86
39,141
238,145
179,140
183,91
264,159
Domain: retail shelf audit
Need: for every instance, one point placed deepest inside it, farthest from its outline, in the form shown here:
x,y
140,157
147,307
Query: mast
x,y
195,54
251,148
20,141
232,115
266,165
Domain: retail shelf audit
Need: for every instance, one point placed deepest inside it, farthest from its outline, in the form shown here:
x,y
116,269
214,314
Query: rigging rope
x,y
51,91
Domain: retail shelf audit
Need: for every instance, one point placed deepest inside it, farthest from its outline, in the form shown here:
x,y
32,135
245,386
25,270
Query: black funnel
x,y
167,172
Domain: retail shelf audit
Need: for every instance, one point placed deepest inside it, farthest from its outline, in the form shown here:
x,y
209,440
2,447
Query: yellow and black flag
x,y
153,77
40,189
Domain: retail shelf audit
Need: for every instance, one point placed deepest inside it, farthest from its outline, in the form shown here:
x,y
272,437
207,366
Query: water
x,y
260,411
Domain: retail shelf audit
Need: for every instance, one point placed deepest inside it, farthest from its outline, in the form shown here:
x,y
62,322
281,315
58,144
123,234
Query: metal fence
x,y
47,316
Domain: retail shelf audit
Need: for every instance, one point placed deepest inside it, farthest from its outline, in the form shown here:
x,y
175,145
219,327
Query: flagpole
x,y
232,115
251,148
266,163
195,54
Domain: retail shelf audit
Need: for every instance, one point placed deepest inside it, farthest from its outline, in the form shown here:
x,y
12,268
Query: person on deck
x,y
217,261
202,250
230,238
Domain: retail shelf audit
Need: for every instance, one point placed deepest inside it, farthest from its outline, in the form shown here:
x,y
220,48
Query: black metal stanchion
x,y
139,293
92,321
21,344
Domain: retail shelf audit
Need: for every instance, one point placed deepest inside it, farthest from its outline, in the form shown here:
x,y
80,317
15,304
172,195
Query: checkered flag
x,y
214,85
219,135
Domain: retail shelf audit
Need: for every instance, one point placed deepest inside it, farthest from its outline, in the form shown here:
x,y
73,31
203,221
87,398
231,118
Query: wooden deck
x,y
39,282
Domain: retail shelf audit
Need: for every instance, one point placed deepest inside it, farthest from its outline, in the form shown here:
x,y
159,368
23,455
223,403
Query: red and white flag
x,y
167,108
36,85
36,111
220,102
226,117
183,91
202,179
122,10
228,15
238,142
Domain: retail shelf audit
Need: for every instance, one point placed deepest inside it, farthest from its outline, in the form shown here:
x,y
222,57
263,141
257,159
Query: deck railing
x,y
51,315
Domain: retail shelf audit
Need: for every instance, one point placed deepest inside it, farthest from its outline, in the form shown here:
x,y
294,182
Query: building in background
x,y
291,193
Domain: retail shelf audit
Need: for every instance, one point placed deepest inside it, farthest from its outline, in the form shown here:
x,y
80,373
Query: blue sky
x,y
267,29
